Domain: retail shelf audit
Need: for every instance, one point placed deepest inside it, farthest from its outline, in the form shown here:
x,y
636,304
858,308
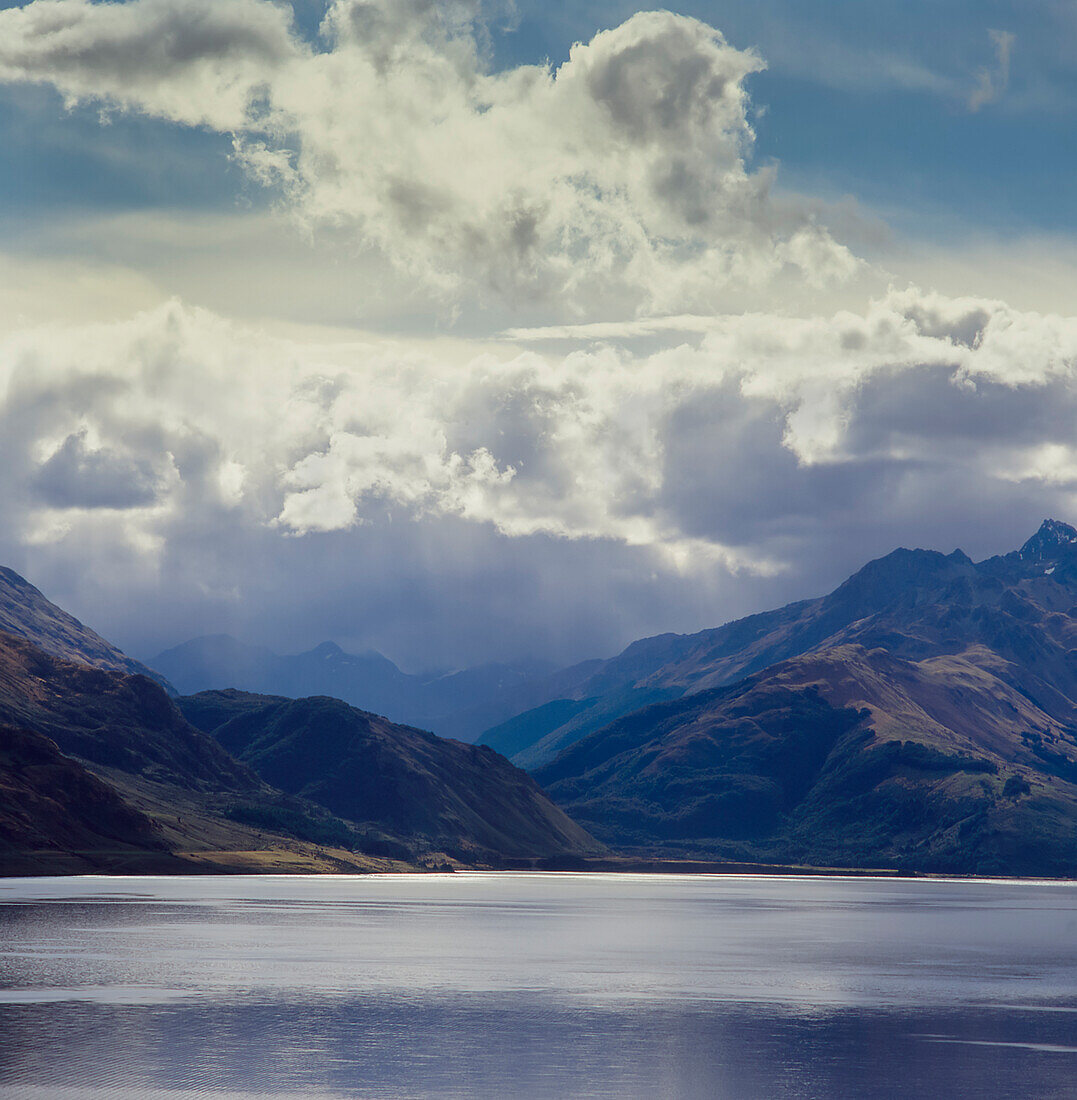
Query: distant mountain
x,y
923,715
913,603
455,704
434,795
26,612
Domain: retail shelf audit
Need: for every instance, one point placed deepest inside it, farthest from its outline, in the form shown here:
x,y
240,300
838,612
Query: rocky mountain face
x,y
923,715
455,704
25,612
431,794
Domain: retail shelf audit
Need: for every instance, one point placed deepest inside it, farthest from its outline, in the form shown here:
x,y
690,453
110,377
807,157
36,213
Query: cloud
x,y
619,180
198,62
659,458
993,82
739,451
78,475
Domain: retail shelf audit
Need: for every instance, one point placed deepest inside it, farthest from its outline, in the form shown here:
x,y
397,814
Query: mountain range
x,y
912,603
923,715
458,704
920,717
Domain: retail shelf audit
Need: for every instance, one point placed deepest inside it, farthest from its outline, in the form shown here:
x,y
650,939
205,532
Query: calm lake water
x,y
552,985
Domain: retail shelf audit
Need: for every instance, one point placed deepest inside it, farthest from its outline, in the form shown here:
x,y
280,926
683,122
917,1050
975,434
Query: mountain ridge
x,y
844,757
915,602
434,793
26,612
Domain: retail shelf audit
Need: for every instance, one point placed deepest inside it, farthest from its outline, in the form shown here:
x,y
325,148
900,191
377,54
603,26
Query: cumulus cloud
x,y
618,180
199,62
178,412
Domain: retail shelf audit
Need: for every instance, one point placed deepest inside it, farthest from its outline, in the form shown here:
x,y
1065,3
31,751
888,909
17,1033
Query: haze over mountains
x,y
454,704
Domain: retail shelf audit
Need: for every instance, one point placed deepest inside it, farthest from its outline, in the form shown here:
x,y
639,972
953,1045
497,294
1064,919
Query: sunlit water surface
x,y
552,985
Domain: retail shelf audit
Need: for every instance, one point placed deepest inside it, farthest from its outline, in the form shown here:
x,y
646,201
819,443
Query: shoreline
x,y
639,867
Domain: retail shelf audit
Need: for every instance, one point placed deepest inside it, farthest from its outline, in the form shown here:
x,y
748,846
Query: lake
x,y
536,985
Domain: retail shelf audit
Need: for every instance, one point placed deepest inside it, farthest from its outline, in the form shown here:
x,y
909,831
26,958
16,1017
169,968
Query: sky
x,y
478,331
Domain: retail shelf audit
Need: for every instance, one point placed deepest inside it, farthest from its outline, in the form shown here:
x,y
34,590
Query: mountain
x,y
126,762
24,611
844,757
56,817
453,704
432,794
913,603
923,715
125,734
100,770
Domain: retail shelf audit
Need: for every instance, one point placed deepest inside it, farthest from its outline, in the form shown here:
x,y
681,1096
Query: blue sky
x,y
383,336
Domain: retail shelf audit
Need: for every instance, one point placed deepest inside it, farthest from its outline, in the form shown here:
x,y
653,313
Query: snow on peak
x,y
1052,537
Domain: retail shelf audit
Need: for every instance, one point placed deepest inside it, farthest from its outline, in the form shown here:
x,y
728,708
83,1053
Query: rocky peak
x,y
1052,539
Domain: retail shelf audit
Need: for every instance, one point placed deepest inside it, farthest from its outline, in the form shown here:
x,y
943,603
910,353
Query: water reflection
x,y
545,986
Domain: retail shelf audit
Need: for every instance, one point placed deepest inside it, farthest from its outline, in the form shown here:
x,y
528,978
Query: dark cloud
x,y
76,476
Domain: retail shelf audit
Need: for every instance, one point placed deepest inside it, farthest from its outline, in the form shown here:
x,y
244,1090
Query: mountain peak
x,y
1052,537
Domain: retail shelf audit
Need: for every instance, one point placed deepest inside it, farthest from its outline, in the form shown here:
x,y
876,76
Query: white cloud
x,y
594,476
619,180
176,441
199,62
177,409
